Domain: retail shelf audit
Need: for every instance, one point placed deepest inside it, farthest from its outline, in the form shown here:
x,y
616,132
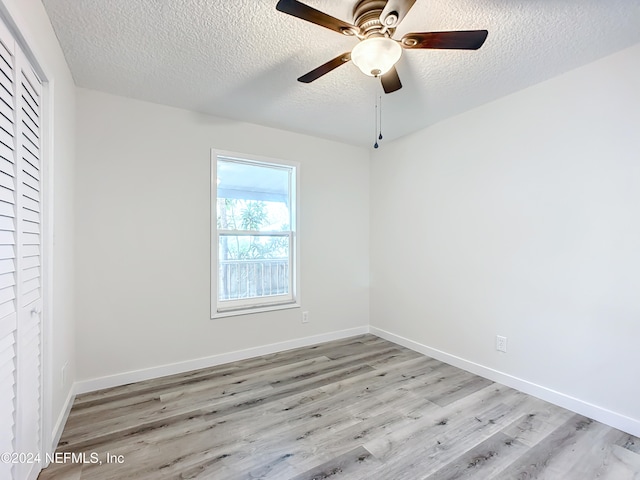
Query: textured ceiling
x,y
240,59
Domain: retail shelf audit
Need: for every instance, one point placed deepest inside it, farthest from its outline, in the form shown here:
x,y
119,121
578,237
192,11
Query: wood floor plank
x,y
629,442
459,390
483,460
440,442
605,459
357,408
536,425
554,456
400,356
344,466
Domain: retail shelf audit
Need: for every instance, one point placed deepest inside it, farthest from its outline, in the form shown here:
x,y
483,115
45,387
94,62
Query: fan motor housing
x,y
366,16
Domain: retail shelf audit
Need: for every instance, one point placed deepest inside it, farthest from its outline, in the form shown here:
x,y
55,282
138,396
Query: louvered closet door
x,y
8,243
29,298
20,272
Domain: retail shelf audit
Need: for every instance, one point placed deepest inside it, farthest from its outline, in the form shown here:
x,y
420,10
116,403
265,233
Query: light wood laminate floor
x,y
359,408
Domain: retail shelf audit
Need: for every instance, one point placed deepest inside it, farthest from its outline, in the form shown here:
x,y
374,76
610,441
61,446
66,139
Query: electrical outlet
x,y
305,317
501,343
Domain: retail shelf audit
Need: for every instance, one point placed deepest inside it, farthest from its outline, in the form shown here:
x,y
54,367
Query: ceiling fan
x,y
374,23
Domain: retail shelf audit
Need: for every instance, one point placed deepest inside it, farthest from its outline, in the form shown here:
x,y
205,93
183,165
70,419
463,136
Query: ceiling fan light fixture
x,y
375,56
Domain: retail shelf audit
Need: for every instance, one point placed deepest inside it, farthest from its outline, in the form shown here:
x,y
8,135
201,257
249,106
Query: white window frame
x,y
228,308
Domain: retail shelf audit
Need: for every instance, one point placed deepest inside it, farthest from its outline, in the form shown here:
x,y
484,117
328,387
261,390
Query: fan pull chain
x,y
375,145
378,115
380,135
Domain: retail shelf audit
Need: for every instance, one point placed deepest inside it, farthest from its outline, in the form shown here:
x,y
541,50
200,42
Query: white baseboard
x,y
613,419
60,423
124,378
62,418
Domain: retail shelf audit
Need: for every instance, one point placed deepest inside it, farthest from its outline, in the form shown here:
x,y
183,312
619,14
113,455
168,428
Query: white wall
x,y
31,19
143,236
522,218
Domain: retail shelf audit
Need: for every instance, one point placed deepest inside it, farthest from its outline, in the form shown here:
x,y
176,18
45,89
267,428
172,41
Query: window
x,y
254,242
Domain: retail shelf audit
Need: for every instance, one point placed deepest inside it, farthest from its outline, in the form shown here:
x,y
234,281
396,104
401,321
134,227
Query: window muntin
x,y
254,249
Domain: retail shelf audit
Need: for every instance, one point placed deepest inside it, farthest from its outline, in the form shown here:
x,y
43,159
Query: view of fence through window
x,y
254,230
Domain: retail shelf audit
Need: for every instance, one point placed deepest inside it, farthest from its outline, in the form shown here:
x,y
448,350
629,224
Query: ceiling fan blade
x,y
462,40
305,12
391,81
394,11
325,68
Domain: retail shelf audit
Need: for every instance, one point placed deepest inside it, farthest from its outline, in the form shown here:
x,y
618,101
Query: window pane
x,y
252,266
252,197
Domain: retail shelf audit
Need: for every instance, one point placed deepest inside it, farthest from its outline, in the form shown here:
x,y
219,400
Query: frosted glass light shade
x,y
375,56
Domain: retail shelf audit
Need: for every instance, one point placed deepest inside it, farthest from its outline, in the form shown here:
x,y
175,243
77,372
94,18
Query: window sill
x,y
250,311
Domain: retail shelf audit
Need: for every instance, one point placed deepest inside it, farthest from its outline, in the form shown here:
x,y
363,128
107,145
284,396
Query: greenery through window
x,y
235,214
